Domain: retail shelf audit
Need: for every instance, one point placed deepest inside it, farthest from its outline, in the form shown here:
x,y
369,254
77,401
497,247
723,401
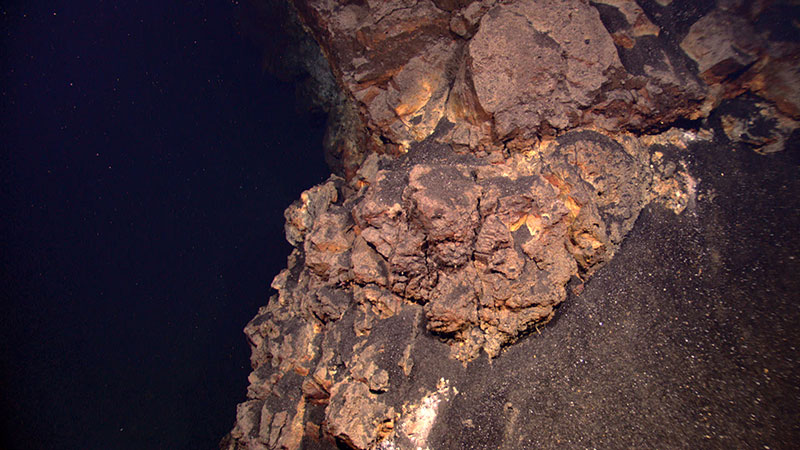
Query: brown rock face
x,y
534,65
722,44
502,70
507,160
395,58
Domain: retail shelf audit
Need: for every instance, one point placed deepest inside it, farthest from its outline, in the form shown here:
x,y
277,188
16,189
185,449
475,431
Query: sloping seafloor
x,y
688,338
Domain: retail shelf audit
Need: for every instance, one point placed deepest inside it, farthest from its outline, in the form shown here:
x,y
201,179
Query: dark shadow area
x,y
146,164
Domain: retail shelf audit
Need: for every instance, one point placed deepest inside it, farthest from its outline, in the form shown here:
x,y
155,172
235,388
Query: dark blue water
x,y
146,163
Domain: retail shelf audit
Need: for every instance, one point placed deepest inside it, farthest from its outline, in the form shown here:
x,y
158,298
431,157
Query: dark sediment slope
x,y
686,339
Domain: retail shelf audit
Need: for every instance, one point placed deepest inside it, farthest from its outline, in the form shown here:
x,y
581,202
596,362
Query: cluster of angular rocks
x,y
505,149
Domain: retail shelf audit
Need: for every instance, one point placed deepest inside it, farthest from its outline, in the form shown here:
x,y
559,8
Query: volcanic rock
x,y
540,63
509,147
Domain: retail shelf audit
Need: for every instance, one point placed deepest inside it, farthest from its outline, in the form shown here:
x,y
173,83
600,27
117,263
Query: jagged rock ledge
x,y
501,152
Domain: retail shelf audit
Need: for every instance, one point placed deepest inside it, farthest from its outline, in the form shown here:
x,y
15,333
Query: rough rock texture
x,y
535,66
509,147
502,70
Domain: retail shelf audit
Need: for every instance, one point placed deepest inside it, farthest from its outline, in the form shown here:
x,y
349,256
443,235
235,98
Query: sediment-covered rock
x,y
453,250
512,146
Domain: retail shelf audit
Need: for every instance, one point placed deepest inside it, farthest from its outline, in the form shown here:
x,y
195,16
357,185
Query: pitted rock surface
x,y
533,65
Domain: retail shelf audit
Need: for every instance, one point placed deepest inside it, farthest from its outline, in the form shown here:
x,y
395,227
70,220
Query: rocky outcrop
x,y
433,249
508,148
502,70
